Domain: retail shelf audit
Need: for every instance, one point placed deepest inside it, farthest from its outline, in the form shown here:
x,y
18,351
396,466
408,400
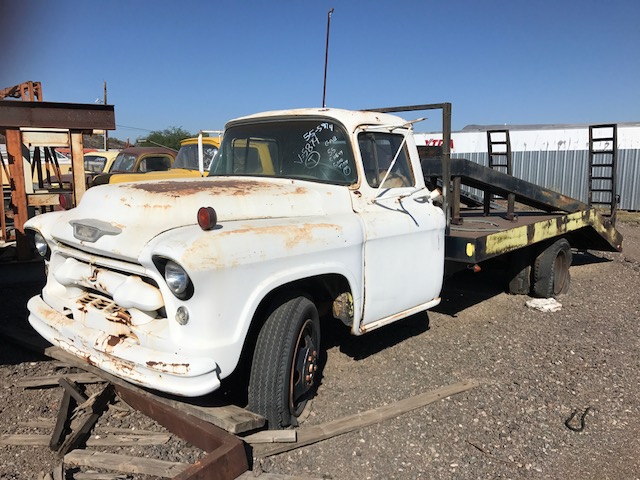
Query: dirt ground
x,y
534,369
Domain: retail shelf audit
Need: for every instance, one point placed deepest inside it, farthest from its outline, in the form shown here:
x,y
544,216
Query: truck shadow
x,y
588,258
335,334
18,283
466,288
460,291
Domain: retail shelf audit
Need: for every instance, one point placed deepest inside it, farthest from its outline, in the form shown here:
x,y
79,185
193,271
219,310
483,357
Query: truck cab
x,y
170,284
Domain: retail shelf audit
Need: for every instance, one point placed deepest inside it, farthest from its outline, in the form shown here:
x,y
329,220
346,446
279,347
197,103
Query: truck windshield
x,y
94,163
314,150
124,163
188,156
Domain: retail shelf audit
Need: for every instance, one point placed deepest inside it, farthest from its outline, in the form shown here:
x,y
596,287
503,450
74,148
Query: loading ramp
x,y
476,235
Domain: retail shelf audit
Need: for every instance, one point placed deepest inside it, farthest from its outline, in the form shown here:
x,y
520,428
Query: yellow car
x,y
96,163
99,162
185,165
137,160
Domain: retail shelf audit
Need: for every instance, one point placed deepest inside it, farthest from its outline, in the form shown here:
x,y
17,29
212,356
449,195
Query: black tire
x,y
519,271
551,270
284,370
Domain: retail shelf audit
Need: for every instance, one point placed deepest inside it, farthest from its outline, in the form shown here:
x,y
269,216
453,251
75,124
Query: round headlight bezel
x,y
40,244
177,279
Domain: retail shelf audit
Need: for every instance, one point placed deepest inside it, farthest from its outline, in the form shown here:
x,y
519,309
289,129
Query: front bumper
x,y
122,357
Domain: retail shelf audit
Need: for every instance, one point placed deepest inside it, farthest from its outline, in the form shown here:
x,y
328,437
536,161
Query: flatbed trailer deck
x,y
483,237
478,234
533,242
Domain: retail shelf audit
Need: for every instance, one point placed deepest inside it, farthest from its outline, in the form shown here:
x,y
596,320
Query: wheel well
x,y
320,289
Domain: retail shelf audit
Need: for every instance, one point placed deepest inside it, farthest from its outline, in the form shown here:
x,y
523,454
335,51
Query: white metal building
x,y
553,156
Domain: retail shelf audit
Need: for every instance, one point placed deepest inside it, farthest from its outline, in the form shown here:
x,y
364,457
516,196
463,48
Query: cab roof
x,y
351,119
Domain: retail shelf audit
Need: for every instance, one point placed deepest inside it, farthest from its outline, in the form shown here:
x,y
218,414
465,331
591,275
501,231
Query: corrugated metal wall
x,y
566,172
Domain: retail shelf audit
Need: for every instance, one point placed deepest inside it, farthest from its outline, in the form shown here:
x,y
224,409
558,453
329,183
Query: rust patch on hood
x,y
228,186
292,234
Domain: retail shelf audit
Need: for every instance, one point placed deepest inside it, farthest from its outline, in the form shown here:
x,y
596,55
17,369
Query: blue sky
x,y
195,64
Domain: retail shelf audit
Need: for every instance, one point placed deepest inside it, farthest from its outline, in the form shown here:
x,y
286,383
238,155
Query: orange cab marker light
x,y
207,218
65,200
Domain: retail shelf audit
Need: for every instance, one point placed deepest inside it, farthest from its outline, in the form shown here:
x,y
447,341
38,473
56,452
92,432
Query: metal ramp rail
x,y
483,178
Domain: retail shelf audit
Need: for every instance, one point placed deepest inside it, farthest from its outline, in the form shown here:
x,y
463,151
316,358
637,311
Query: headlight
x,y
42,247
177,279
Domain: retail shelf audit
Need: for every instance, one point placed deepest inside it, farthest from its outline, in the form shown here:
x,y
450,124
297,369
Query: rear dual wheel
x,y
546,275
551,275
284,372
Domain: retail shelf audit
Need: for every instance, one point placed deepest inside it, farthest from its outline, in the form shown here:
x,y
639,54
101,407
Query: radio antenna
x,y
326,59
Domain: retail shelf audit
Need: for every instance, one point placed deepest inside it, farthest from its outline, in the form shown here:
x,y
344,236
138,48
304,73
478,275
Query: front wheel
x,y
284,371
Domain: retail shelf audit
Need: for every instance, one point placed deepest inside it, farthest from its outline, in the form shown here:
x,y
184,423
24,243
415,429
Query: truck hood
x,y
125,217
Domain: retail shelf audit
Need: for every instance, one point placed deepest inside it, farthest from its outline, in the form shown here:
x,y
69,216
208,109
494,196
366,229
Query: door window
x,y
378,151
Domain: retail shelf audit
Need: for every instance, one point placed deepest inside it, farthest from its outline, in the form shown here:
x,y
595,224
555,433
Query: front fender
x,y
45,223
236,265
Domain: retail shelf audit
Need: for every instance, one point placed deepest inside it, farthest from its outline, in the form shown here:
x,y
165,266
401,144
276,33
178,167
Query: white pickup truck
x,y
177,284
169,284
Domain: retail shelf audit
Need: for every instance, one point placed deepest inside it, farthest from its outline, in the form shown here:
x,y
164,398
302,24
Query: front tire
x,y
284,371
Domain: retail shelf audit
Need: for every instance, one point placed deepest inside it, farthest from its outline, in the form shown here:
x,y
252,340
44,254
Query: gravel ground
x,y
534,370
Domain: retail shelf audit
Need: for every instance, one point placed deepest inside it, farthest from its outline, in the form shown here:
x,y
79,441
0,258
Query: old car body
x,y
138,160
98,162
186,164
329,204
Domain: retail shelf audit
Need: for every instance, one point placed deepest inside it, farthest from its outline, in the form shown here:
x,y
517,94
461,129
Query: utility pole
x,y
106,132
326,59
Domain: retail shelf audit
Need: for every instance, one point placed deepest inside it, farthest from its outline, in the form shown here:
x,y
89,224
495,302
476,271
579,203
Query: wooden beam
x,y
231,418
19,195
85,423
43,199
99,476
77,166
58,471
272,476
73,389
72,116
123,440
99,430
124,463
52,380
271,436
62,421
226,457
310,435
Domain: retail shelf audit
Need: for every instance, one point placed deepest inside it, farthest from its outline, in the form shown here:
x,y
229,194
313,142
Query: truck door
x,y
404,248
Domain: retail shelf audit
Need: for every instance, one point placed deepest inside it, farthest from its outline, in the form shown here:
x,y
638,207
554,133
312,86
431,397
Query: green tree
x,y
169,137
